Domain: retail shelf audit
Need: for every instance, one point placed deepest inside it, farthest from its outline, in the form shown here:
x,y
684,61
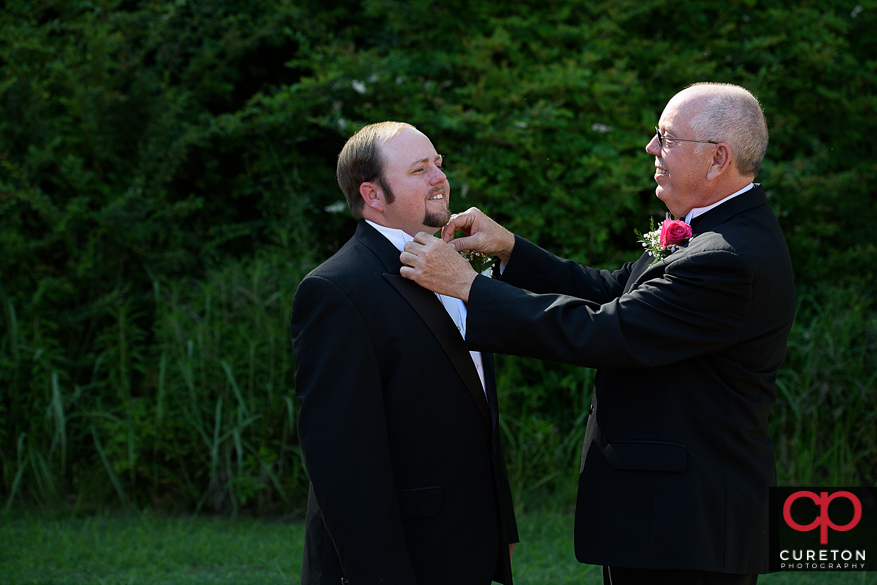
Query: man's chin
x,y
437,219
663,196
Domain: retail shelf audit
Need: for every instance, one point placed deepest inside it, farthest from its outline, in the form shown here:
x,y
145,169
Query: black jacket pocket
x,y
646,455
424,502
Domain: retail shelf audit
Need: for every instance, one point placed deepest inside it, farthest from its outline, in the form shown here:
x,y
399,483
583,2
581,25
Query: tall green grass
x,y
543,413
225,409
192,406
825,422
196,413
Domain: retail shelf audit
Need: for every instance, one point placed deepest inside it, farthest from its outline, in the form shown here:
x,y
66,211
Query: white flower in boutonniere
x,y
670,236
481,262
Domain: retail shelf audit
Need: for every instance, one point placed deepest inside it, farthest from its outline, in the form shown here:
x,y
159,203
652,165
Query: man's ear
x,y
372,195
720,162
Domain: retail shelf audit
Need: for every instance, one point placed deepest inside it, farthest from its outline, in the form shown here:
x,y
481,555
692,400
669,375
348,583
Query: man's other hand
x,y
435,265
480,233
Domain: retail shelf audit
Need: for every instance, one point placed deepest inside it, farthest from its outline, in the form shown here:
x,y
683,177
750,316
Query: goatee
x,y
437,219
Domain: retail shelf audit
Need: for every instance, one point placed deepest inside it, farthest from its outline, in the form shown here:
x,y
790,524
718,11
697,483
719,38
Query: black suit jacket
x,y
677,460
408,480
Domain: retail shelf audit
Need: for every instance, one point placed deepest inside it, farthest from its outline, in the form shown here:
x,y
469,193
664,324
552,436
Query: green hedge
x,y
167,176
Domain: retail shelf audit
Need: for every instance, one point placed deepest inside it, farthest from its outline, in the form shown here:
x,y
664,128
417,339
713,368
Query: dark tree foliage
x,y
151,148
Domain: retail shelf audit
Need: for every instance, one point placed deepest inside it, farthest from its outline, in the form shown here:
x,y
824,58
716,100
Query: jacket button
x,y
591,410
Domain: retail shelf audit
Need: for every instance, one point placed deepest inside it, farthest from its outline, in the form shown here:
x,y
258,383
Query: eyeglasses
x,y
662,138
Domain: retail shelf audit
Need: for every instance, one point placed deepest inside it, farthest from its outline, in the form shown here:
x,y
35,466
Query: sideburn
x,y
385,187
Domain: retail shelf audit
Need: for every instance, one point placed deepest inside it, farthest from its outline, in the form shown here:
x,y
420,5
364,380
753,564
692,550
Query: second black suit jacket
x,y
408,481
677,460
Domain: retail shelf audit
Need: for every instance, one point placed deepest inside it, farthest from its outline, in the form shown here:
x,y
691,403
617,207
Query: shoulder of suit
x,y
337,278
745,231
352,256
353,269
742,243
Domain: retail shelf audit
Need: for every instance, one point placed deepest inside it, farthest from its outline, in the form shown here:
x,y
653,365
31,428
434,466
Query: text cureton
x,y
822,555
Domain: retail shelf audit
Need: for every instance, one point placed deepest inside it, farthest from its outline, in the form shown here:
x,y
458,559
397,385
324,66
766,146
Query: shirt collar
x,y
701,210
397,237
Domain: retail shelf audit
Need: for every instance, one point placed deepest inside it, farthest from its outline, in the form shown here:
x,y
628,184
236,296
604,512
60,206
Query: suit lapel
x,y
433,314
643,270
637,271
427,305
490,385
381,246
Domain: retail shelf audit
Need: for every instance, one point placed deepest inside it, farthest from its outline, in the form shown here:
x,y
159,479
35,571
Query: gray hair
x,y
361,160
733,115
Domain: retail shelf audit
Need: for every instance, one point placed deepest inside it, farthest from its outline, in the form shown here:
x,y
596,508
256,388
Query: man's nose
x,y
654,147
438,176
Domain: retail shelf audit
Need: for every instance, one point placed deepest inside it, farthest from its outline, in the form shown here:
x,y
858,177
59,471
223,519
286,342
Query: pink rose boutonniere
x,y
674,233
662,241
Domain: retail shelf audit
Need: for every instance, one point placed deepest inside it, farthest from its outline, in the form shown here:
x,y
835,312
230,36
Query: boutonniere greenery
x,y
668,237
481,262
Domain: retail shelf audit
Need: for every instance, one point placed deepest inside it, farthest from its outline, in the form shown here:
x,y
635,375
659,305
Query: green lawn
x,y
151,550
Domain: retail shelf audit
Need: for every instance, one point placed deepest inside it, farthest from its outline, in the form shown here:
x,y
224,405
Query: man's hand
x,y
511,550
481,234
435,265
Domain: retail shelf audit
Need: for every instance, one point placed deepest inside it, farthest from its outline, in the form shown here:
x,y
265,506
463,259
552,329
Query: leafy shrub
x,y
157,155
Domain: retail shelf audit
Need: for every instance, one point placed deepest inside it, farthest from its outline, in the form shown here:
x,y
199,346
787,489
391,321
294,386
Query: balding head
x,y
712,138
730,114
362,160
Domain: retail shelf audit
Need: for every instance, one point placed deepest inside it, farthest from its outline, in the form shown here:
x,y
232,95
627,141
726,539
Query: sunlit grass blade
x,y
112,474
22,461
234,387
56,408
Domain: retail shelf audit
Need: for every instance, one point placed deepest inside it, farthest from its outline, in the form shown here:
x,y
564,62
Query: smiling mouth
x,y
437,196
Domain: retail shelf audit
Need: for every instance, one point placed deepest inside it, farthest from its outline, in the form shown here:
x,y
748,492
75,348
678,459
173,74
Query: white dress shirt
x,y
455,307
701,210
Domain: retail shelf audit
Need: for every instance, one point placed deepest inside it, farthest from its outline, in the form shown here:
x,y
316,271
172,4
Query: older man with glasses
x,y
677,462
